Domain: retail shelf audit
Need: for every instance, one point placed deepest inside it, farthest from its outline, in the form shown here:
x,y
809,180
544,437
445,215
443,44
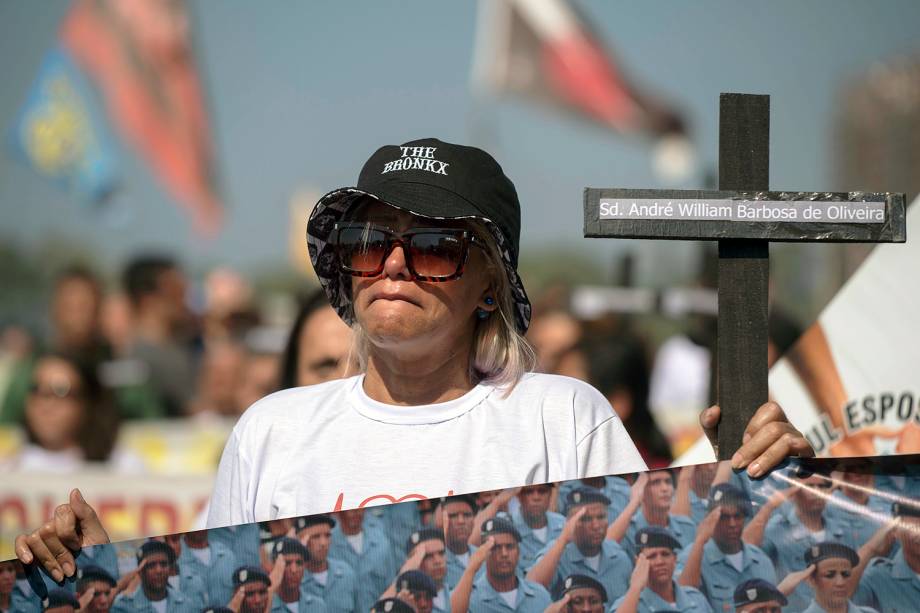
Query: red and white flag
x,y
543,50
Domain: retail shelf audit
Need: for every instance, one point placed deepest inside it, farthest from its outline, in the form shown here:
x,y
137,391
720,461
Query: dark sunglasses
x,y
432,254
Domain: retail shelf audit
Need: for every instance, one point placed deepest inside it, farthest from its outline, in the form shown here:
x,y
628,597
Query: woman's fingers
x,y
90,527
62,555
65,526
43,556
769,446
768,412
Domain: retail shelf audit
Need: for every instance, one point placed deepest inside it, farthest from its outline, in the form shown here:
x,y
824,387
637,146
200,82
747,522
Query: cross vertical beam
x,y
744,268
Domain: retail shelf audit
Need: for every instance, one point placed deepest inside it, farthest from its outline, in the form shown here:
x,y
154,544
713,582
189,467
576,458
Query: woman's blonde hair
x,y
500,355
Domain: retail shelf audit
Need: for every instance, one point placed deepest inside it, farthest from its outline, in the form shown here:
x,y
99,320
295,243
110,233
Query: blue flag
x,y
62,134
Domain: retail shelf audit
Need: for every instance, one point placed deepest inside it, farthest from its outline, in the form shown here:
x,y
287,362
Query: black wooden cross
x,y
744,217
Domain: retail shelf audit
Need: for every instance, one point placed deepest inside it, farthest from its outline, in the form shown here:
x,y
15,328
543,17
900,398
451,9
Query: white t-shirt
x,y
736,560
326,447
510,597
356,541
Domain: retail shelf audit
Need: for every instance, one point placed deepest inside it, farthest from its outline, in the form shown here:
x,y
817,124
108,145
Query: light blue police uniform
x,y
814,607
340,591
680,526
856,525
699,507
217,574
889,584
191,584
613,572
786,540
399,522
720,577
444,592
308,603
530,545
616,489
176,602
455,567
531,597
685,599
24,599
242,540
375,567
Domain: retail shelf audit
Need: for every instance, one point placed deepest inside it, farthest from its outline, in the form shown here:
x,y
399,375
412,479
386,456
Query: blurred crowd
x,y
141,349
820,537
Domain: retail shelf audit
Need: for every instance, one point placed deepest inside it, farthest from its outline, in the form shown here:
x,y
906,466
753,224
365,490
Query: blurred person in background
x,y
75,316
163,330
69,420
154,592
618,368
75,330
552,335
318,346
219,376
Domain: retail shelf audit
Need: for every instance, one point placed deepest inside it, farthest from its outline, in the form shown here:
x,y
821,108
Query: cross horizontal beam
x,y
834,217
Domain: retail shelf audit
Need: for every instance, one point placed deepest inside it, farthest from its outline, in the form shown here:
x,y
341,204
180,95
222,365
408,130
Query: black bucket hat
x,y
434,179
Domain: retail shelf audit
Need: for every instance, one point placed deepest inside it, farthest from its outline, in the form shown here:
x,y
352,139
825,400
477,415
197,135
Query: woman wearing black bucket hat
x,y
421,259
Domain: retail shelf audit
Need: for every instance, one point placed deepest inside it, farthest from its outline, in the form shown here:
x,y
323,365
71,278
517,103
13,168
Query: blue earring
x,y
482,313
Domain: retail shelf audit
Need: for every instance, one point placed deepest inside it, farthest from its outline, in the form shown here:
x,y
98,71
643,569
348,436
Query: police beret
x,y
59,597
905,509
425,534
585,495
217,610
416,581
461,498
499,525
91,572
576,582
246,574
302,523
826,550
728,494
391,605
656,536
290,546
757,590
151,547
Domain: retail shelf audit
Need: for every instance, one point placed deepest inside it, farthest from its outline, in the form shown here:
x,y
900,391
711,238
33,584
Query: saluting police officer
x,y
420,587
718,560
95,579
759,596
580,594
652,586
155,559
458,512
251,587
583,548
650,501
893,584
289,595
614,487
427,545
833,580
361,543
391,605
60,600
798,526
212,563
848,504
502,587
332,580
536,524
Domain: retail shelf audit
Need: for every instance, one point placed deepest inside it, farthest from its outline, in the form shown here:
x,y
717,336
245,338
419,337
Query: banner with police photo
x,y
818,535
850,383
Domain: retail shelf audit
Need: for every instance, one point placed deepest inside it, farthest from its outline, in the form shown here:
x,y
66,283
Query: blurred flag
x,y
543,50
139,54
61,133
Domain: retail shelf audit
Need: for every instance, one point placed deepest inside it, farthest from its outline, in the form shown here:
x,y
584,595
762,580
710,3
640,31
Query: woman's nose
x,y
395,265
